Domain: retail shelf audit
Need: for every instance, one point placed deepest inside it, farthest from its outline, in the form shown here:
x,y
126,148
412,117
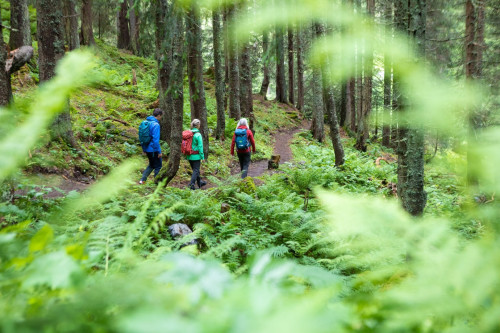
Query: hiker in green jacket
x,y
195,159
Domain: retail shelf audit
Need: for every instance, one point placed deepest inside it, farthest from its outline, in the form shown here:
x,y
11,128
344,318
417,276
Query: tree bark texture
x,y
234,71
5,89
20,34
134,31
195,72
367,90
300,69
386,128
50,51
220,85
317,126
291,76
411,140
123,40
71,24
281,95
265,65
163,36
87,30
174,158
246,100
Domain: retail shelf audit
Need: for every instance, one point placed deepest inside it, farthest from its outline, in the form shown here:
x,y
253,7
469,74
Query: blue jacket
x,y
154,129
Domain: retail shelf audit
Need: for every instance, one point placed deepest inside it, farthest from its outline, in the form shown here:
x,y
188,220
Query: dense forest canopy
x,y
365,194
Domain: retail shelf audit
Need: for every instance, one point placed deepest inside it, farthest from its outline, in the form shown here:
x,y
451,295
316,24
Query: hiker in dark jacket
x,y
153,149
244,154
195,159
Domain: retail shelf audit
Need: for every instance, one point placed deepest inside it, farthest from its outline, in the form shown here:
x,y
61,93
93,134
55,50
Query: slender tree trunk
x,y
411,142
281,95
291,76
265,64
367,90
300,70
71,24
386,129
20,34
234,72
177,85
134,31
195,72
317,126
5,88
246,100
164,49
343,104
225,33
50,51
219,75
87,31
123,40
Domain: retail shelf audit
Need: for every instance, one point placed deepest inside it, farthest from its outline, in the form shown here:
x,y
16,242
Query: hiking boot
x,y
202,183
141,182
191,187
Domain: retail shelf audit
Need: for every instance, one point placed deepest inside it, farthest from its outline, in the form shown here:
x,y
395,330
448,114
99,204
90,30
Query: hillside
x,y
276,252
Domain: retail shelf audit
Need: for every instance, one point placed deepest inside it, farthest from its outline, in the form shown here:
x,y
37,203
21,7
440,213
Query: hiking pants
x,y
155,164
244,163
195,178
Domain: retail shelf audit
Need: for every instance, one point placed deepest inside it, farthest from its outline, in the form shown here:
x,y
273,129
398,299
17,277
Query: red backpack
x,y
187,143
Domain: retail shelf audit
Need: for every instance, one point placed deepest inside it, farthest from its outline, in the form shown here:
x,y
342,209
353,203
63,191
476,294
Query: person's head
x,y
195,123
243,122
158,113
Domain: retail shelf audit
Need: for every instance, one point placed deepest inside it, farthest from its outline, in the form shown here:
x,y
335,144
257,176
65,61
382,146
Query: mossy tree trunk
x,y
20,34
234,70
265,65
5,90
87,30
386,118
411,139
123,40
300,69
71,24
134,31
50,51
281,95
220,85
177,86
163,37
246,100
317,126
195,72
291,75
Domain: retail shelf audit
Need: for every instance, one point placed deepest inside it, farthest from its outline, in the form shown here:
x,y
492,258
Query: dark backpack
x,y
144,133
187,143
241,139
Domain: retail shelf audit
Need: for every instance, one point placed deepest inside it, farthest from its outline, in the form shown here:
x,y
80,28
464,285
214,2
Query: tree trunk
x,y
195,72
411,140
343,104
134,31
386,129
50,51
123,41
281,95
219,75
177,85
300,70
246,100
163,36
5,89
20,34
71,24
234,72
367,90
265,64
291,76
317,126
87,31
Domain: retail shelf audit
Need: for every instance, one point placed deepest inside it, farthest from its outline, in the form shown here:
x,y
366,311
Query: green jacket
x,y
197,146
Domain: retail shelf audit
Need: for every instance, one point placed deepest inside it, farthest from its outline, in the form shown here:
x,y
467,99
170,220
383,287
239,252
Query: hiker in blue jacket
x,y
245,143
152,149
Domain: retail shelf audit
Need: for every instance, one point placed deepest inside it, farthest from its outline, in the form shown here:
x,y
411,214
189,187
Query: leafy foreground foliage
x,y
287,256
